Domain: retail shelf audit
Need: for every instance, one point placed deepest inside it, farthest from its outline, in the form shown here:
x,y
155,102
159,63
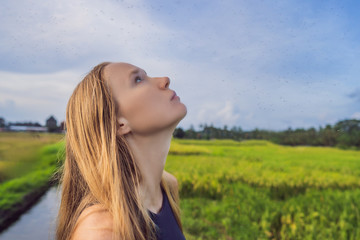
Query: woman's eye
x,y
137,78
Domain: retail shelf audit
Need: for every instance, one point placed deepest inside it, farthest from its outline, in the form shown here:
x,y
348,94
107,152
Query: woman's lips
x,y
173,96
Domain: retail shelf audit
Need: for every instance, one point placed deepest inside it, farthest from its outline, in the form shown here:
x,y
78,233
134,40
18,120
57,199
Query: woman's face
x,y
144,103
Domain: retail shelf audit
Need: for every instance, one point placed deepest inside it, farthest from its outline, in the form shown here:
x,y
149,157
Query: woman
x,y
119,124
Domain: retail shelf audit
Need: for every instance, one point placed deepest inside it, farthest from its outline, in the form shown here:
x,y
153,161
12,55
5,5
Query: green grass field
x,y
19,152
27,162
259,190
229,189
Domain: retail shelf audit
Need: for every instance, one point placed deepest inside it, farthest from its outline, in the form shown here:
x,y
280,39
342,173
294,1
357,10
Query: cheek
x,y
146,110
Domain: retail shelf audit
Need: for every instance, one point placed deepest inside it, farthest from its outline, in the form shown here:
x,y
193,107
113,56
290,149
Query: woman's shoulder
x,y
170,179
94,223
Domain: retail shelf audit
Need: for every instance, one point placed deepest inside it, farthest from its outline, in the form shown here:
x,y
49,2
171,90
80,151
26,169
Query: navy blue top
x,y
168,228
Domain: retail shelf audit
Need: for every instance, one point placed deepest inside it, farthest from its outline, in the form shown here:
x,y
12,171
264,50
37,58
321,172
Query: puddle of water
x,y
38,222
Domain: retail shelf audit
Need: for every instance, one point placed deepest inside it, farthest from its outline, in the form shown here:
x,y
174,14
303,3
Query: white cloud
x,y
356,115
52,36
227,114
34,97
234,63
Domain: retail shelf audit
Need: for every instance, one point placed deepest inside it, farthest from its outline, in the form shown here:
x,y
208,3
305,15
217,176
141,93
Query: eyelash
x,y
138,77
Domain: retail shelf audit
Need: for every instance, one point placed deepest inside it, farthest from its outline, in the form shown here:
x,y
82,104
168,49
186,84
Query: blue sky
x,y
253,64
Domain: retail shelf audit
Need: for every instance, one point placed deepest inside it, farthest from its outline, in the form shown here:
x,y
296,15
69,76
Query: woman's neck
x,y
150,154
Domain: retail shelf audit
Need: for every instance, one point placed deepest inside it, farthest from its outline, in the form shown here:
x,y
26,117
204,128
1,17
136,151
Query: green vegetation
x,y
27,165
259,190
344,134
236,190
19,152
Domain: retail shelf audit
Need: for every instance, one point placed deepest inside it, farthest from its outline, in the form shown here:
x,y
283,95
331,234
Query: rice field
x,y
229,190
259,190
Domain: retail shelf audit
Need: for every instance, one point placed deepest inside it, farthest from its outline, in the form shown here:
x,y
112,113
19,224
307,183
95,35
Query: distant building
x,y
2,122
62,127
19,128
25,126
51,124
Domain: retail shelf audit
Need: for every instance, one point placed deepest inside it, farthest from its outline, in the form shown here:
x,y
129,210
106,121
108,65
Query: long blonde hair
x,y
99,167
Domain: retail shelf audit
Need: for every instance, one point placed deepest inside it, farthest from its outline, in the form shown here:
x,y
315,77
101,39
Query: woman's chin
x,y
183,113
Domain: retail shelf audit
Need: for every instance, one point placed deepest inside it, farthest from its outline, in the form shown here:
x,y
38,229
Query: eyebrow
x,y
135,71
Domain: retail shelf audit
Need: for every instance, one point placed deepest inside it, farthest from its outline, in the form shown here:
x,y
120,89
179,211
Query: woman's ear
x,y
123,126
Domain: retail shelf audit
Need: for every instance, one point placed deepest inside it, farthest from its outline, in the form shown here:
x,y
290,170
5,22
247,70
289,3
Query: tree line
x,y
343,134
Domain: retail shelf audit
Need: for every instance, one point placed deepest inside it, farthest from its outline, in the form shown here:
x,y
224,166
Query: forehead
x,y
118,70
118,74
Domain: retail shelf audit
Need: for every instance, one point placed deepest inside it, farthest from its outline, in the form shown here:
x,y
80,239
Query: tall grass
x,y
28,175
245,190
260,190
19,152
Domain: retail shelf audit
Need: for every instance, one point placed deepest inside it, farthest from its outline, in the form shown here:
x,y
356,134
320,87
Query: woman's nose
x,y
164,82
